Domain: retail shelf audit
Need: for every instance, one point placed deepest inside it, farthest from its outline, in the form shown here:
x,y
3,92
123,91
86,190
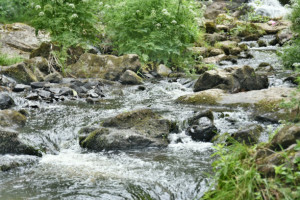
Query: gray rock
x,y
136,129
21,88
6,101
131,78
233,80
287,136
54,77
248,135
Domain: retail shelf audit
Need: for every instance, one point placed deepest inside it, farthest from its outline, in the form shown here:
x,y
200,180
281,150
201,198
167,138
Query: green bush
x,y
156,30
290,54
70,22
14,10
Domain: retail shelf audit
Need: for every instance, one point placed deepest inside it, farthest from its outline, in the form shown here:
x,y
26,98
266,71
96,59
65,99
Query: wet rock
x,y
131,78
214,59
202,133
227,46
216,52
292,78
11,119
238,79
32,96
54,77
9,162
142,88
287,136
235,51
10,143
104,66
214,38
37,85
163,70
136,129
284,36
264,101
66,91
269,29
264,68
248,135
21,88
20,72
44,94
202,127
210,27
252,37
261,43
6,101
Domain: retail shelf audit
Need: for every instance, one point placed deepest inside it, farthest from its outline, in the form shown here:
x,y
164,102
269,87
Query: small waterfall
x,y
270,8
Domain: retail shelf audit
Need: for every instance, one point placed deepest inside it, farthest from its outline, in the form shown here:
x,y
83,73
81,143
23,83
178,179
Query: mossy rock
x,y
209,97
11,118
10,143
20,72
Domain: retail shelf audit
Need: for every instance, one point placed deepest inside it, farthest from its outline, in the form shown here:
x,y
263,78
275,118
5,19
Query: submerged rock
x,y
6,101
12,119
10,143
136,129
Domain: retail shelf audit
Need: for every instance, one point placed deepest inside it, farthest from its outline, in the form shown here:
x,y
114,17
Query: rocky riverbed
x,y
114,128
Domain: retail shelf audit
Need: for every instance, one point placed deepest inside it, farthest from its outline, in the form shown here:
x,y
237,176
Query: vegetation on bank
x,y
238,177
5,60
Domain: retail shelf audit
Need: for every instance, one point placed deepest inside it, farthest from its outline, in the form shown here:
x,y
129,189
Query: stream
x,y
180,171
67,171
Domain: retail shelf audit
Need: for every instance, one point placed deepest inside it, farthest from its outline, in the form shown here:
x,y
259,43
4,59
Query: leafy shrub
x,y
290,54
14,10
156,30
69,22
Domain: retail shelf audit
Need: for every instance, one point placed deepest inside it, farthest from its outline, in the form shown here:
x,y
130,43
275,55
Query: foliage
x,y
237,177
156,30
245,29
290,54
6,61
69,22
14,10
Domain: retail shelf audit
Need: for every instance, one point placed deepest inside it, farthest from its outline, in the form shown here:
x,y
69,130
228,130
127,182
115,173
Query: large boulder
x,y
20,72
136,129
233,80
104,66
287,136
10,143
274,29
6,101
19,39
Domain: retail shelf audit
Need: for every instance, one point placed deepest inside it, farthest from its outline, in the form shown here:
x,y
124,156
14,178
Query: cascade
x,y
270,8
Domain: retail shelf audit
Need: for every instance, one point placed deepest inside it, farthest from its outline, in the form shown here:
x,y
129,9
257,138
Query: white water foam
x,y
270,8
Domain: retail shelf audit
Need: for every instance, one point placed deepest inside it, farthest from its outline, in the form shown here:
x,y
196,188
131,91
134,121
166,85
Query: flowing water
x,y
67,171
270,8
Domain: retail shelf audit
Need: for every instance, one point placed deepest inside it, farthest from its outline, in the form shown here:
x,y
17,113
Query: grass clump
x,y
237,176
5,60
